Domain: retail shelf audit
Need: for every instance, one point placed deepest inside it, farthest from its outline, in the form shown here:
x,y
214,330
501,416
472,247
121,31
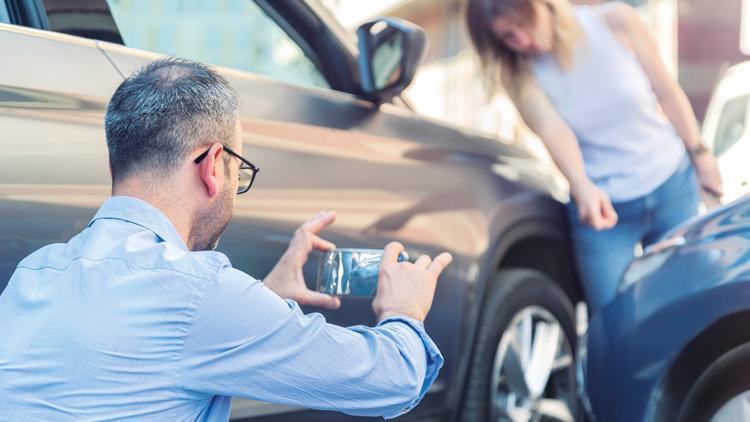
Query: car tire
x,y
723,381
514,294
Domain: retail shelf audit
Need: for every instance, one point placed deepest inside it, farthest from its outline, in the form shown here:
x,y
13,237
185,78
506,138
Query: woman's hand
x,y
709,176
594,206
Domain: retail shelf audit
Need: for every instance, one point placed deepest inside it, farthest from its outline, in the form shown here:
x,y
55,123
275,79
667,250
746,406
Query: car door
x,y
388,174
54,174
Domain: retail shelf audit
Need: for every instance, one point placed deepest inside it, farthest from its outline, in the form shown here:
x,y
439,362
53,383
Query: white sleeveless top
x,y
629,148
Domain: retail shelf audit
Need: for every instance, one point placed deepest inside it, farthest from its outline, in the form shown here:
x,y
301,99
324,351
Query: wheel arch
x,y
717,339
550,256
521,246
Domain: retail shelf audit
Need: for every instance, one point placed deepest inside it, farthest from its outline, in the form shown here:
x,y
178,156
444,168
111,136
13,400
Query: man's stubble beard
x,y
209,224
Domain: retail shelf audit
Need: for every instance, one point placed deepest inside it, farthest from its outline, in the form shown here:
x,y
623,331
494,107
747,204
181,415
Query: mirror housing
x,y
390,51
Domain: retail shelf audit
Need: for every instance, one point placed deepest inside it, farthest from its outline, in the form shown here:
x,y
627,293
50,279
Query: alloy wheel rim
x,y
533,374
736,409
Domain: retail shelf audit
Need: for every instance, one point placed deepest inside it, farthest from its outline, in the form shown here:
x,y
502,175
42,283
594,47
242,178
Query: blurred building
x,y
697,39
449,85
708,42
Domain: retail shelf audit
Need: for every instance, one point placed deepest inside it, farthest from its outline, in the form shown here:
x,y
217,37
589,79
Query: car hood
x,y
719,222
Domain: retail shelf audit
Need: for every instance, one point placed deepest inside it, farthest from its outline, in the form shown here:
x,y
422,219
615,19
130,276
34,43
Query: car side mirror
x,y
390,50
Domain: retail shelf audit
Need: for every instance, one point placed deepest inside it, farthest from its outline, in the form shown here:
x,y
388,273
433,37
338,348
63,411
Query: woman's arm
x,y
625,22
541,117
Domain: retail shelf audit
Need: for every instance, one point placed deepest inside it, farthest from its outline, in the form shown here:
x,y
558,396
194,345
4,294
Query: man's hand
x,y
404,288
286,279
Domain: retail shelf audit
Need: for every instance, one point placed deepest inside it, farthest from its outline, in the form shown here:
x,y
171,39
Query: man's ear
x,y
210,168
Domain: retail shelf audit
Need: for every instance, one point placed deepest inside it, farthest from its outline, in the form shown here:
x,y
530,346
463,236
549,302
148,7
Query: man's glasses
x,y
248,170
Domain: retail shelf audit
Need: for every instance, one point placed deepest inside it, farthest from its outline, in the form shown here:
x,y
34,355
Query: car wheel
x,y
722,392
523,366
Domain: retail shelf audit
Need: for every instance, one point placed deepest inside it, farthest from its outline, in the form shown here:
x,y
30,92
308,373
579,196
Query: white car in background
x,y
725,129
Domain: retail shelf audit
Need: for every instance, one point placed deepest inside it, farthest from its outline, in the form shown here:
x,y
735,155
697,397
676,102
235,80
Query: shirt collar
x,y
142,213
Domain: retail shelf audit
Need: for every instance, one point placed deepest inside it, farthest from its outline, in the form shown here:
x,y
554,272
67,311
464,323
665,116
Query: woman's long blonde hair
x,y
501,66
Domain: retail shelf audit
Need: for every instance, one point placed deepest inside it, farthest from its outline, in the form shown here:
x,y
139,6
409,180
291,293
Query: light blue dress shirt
x,y
123,322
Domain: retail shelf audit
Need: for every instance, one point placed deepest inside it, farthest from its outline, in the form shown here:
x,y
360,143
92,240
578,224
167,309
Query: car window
x,y
4,16
89,19
732,124
231,33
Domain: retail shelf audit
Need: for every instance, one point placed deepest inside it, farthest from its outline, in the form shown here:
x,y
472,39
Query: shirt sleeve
x,y
245,341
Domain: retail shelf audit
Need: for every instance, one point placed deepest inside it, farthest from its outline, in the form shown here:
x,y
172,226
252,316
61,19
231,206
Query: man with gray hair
x,y
138,318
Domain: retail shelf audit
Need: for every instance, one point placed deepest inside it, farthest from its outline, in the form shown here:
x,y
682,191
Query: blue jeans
x,y
603,256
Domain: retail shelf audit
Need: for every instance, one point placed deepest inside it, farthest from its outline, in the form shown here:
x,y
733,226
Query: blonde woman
x,y
589,82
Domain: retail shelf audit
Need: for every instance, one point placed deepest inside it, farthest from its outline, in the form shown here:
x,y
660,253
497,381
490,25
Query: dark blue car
x,y
675,344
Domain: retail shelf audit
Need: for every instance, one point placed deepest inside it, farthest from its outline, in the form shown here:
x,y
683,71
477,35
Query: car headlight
x,y
653,258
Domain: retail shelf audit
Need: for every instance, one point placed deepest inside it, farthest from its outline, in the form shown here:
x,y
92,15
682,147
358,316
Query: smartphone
x,y
351,272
